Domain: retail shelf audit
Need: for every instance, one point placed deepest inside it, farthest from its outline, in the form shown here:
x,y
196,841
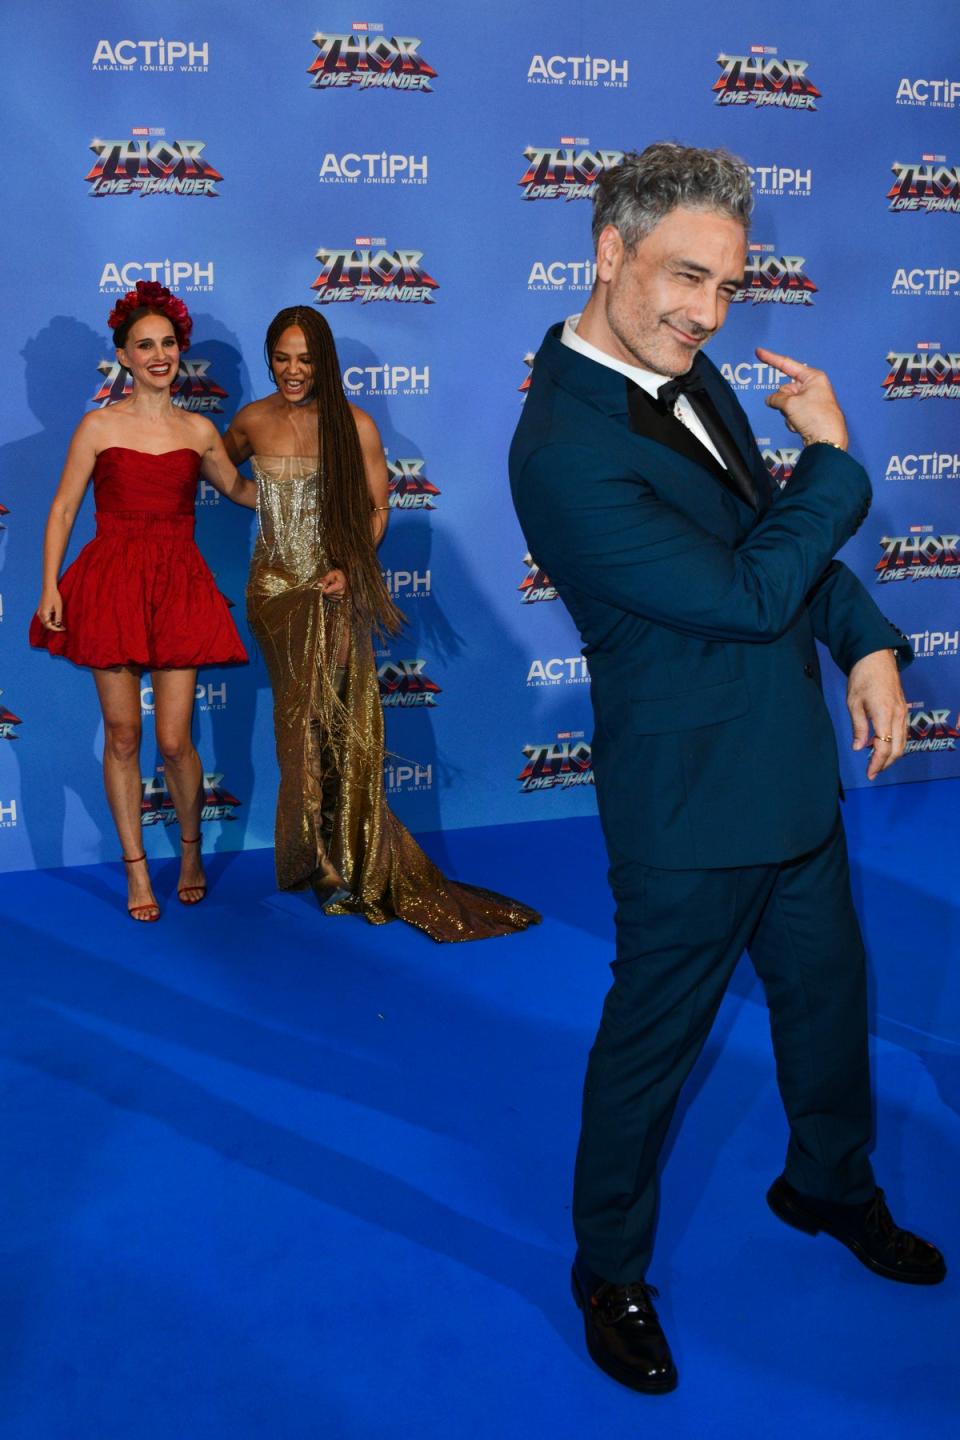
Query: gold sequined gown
x,y
334,829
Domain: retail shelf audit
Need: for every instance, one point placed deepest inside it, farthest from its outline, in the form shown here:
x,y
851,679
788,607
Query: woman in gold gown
x,y
315,598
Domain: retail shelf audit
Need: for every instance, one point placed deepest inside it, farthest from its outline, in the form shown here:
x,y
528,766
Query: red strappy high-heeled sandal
x,y
139,912
199,891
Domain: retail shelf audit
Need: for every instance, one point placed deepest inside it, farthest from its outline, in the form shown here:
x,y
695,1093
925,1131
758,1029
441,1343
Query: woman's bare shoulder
x,y
365,423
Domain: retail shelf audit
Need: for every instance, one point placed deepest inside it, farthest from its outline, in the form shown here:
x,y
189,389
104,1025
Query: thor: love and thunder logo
x,y
369,62
921,555
926,373
927,184
369,271
558,766
151,165
764,80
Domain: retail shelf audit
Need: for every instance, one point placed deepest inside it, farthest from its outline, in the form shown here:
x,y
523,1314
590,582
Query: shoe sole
x,y
608,1364
802,1220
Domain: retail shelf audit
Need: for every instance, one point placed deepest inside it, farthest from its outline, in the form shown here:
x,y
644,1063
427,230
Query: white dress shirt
x,y
648,380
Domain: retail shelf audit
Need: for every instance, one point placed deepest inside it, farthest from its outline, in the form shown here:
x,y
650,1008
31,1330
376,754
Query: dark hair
x,y
341,476
637,194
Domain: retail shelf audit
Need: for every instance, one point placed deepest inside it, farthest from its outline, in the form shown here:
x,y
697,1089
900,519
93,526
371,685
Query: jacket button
x,y
808,671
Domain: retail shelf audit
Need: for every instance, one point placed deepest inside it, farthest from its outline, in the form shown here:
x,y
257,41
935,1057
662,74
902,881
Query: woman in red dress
x,y
140,596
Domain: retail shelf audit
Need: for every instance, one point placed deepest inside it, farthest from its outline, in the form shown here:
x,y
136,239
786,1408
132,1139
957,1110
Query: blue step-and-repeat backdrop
x,y
424,174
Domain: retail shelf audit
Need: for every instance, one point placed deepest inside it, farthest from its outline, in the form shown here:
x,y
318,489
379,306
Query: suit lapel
x,y
738,428
606,390
647,420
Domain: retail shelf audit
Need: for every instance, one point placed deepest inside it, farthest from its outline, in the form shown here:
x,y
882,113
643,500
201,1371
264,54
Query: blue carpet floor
x,y
267,1174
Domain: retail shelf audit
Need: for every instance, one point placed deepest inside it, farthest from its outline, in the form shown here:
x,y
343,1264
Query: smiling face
x,y
151,352
661,302
291,365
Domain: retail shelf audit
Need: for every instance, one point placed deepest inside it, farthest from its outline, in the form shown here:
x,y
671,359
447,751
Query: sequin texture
x,y
335,832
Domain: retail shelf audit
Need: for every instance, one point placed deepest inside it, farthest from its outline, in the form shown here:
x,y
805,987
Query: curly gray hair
x,y
635,195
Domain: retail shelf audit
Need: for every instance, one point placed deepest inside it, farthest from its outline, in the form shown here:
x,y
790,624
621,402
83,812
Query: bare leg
x,y
119,694
173,692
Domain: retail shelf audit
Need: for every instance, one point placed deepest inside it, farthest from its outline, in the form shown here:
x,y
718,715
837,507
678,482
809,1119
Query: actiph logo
x,y
401,777
935,644
207,695
571,670
751,375
386,380
562,275
931,465
408,584
152,56
190,276
932,281
782,181
373,167
206,493
937,94
593,71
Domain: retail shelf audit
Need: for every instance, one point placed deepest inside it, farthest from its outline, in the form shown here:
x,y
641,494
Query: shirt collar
x,y
648,380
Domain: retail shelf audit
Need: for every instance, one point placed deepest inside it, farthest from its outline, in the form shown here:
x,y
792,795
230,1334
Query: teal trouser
x,y
680,934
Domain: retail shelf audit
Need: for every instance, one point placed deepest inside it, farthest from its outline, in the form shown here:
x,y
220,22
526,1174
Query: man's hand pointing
x,y
806,402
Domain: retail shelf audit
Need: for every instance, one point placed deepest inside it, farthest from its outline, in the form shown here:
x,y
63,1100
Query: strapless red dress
x,y
141,593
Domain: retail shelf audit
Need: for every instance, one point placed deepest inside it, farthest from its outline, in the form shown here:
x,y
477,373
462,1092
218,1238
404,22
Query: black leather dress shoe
x,y
869,1230
623,1332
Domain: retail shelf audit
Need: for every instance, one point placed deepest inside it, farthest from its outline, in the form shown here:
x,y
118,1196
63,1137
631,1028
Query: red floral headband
x,y
150,295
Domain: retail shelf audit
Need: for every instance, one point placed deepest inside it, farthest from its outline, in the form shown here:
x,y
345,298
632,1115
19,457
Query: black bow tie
x,y
669,392
738,472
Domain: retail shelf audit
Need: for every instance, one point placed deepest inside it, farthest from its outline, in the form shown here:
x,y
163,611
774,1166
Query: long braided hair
x,y
346,500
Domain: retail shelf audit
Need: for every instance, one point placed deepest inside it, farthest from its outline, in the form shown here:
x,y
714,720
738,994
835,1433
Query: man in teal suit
x,y
699,590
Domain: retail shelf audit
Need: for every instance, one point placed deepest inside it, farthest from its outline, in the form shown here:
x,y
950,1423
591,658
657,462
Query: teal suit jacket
x,y
713,746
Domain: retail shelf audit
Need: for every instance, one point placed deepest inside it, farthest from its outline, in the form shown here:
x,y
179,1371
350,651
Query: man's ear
x,y
609,253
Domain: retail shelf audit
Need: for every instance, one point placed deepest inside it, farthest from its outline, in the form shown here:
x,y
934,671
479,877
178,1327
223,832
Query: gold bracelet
x,y
832,443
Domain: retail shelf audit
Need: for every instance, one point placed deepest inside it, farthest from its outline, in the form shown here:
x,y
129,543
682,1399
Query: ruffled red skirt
x,y
141,594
